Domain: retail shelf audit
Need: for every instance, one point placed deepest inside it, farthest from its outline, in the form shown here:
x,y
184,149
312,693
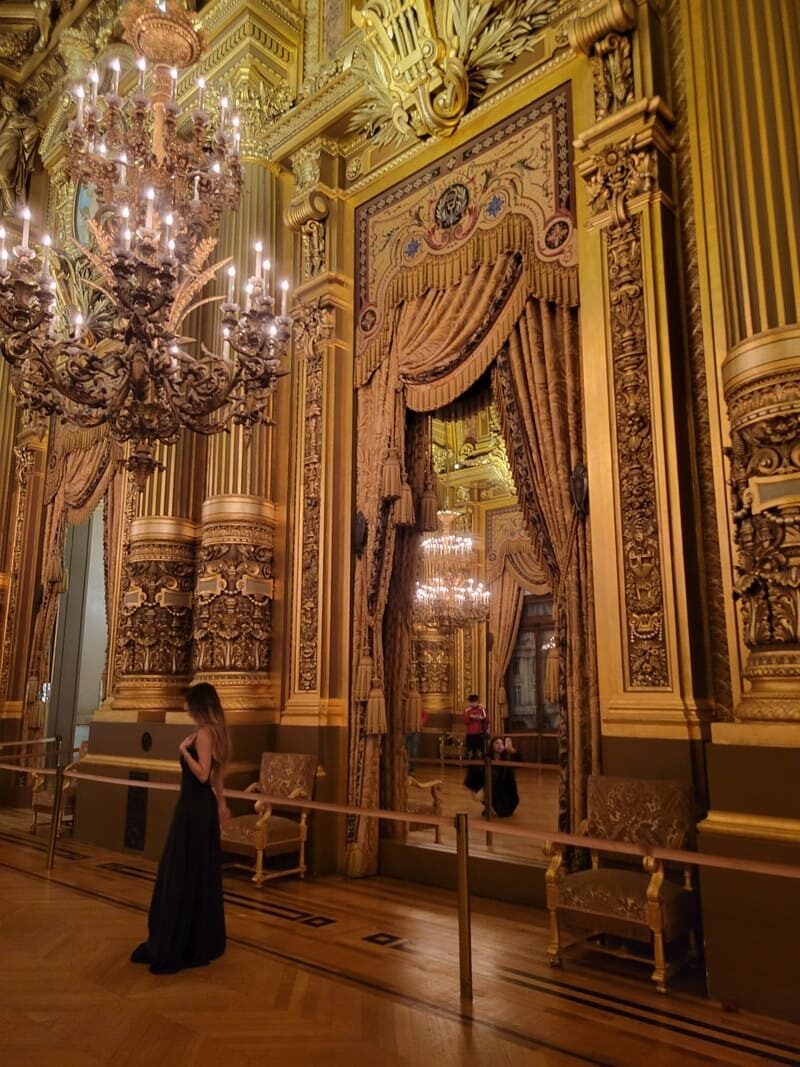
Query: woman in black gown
x,y
505,797
186,924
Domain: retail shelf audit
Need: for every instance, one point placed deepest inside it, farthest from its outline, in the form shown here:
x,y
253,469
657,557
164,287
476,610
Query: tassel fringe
x,y
363,679
375,716
414,711
404,514
391,476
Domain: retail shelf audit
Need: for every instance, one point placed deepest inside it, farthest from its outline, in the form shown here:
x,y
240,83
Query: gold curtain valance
x,y
513,235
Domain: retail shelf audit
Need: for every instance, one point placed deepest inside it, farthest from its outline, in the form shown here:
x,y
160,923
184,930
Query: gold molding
x,y
237,506
161,766
745,824
162,528
757,734
771,352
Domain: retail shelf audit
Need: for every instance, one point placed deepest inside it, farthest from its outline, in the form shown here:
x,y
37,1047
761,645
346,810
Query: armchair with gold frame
x,y
283,775
43,797
616,900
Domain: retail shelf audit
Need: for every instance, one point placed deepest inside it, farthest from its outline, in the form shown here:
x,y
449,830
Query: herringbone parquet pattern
x,y
329,972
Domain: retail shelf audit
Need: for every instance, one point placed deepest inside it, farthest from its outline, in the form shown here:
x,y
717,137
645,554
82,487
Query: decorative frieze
x,y
604,38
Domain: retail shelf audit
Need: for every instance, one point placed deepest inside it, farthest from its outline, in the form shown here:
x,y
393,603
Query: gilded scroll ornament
x,y
762,382
426,61
313,325
619,172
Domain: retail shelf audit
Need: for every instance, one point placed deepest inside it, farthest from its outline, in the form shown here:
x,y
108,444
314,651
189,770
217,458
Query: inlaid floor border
x,y
620,1007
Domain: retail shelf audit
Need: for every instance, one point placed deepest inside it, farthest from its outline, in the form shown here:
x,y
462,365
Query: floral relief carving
x,y
155,630
313,324
612,74
765,481
644,592
618,173
233,599
432,659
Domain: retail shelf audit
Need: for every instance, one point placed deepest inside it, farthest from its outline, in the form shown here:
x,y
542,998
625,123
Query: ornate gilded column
x,y
652,658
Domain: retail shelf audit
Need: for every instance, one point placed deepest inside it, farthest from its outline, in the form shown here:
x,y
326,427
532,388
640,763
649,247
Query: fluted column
x,y
749,160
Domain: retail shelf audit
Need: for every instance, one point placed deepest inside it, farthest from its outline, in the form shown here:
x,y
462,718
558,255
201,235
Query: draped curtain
x,y
442,341
537,387
516,573
81,468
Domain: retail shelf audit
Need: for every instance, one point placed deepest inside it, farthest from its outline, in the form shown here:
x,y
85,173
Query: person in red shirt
x,y
477,723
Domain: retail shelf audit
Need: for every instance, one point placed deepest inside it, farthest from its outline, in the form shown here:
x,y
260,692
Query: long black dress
x,y
505,796
186,924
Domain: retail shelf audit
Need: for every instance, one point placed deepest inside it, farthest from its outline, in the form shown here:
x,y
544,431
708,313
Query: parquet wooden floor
x,y
326,972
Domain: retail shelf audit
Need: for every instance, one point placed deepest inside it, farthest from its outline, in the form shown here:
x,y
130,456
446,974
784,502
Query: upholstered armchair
x,y
43,797
424,798
616,900
283,776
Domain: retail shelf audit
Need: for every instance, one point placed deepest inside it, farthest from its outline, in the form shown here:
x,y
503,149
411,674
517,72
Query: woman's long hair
x,y
205,708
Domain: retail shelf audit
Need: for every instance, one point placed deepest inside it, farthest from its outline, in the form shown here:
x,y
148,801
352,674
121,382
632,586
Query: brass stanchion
x,y
464,917
55,823
487,793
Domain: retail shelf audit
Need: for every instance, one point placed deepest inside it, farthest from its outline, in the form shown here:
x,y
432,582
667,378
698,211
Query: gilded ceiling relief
x,y
426,62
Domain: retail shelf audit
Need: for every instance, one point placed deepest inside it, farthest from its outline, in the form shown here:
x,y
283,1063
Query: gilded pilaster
x,y
322,476
652,661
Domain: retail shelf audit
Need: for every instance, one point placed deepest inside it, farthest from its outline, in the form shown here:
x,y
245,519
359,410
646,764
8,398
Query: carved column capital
x,y
615,16
626,156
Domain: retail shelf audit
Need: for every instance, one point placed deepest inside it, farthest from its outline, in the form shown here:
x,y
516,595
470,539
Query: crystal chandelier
x,y
449,597
161,191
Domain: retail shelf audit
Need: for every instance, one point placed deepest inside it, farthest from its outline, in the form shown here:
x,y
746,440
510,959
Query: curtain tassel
x,y
391,477
363,679
428,507
552,676
414,711
375,716
404,514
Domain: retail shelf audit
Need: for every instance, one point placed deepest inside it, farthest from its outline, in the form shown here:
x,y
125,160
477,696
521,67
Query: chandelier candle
x,y
161,185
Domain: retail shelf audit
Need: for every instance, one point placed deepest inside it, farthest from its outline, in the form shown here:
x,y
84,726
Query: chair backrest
x,y
645,811
289,775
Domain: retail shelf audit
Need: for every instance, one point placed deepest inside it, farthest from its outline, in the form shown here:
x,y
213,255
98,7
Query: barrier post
x,y
487,793
55,823
464,918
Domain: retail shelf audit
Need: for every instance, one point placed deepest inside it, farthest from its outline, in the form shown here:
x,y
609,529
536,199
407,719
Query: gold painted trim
x,y
743,824
163,528
163,766
658,731
237,506
757,734
764,354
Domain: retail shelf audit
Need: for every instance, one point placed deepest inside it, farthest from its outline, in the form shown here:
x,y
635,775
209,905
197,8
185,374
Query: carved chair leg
x,y
554,948
437,835
301,859
35,821
258,877
659,974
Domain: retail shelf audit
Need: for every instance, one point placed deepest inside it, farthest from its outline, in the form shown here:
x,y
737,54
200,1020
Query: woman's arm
x,y
218,785
200,767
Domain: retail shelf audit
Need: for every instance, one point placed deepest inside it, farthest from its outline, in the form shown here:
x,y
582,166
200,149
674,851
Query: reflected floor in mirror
x,y
537,811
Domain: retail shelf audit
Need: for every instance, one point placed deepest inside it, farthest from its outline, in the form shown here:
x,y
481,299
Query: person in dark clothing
x,y
505,798
186,923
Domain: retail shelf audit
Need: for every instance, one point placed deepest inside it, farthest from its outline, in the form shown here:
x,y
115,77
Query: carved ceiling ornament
x,y
604,37
427,61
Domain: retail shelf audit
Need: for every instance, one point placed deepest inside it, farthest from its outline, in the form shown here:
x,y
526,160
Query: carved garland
x,y
24,457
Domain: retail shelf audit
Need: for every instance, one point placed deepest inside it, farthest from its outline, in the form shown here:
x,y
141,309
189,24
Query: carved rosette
x,y
313,325
761,378
614,176
233,597
155,629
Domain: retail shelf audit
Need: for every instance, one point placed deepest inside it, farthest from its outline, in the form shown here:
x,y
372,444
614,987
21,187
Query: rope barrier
x,y
37,741
27,770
